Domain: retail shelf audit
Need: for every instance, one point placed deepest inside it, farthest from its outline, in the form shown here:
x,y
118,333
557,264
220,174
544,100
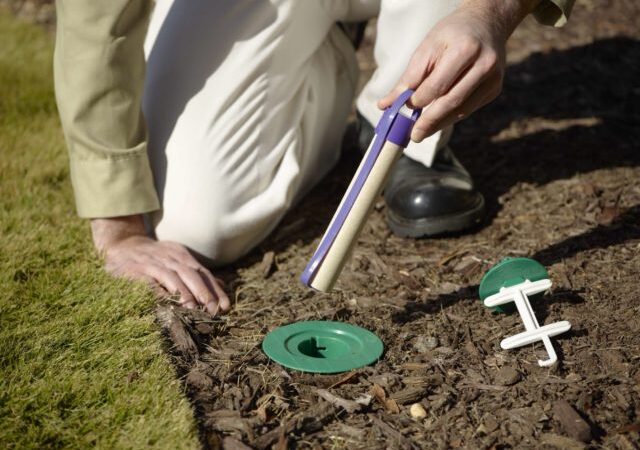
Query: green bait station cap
x,y
322,346
509,272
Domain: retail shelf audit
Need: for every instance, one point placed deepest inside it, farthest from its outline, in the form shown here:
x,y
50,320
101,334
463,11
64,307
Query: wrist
x,y
110,231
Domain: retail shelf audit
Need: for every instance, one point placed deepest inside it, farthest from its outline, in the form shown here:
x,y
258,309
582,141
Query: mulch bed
x,y
557,158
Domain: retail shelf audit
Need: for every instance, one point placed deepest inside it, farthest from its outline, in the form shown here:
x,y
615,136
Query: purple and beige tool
x,y
392,135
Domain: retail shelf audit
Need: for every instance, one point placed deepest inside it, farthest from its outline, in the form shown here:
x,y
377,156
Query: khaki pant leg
x,y
246,103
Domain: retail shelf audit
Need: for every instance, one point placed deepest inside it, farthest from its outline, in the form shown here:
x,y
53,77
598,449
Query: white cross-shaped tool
x,y
520,295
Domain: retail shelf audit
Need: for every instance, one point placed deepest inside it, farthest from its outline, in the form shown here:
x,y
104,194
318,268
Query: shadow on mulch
x,y
561,113
625,228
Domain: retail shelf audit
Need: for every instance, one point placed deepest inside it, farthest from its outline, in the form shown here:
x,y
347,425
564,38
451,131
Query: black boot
x,y
428,201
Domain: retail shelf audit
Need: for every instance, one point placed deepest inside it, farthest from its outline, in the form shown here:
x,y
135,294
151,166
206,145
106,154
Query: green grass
x,y
81,360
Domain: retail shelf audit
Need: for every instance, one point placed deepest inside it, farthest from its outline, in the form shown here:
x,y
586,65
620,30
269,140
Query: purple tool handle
x,y
393,127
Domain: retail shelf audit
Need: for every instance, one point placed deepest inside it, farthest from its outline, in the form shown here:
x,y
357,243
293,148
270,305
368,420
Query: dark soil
x,y
557,157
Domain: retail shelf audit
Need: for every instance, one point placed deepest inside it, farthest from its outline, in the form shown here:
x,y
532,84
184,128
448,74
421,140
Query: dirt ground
x,y
557,158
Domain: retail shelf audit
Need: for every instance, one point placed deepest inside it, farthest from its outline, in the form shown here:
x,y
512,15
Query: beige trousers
x,y
246,103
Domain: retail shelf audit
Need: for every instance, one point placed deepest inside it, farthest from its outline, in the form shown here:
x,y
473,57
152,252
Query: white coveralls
x,y
246,102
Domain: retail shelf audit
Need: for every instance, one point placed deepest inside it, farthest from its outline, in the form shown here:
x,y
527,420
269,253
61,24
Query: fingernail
x,y
417,135
213,309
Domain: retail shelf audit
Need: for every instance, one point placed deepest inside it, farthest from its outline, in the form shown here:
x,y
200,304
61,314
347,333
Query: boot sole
x,y
435,226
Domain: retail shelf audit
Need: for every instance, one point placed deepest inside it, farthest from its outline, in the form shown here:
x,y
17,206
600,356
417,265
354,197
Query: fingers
x,y
476,101
157,289
171,266
482,80
173,283
213,285
442,106
484,94
432,72
197,286
416,71
447,70
388,99
217,286
418,68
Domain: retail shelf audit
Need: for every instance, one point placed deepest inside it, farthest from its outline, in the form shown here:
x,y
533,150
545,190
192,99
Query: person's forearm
x,y
505,15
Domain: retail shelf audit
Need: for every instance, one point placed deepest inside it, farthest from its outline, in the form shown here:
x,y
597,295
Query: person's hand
x,y
129,253
459,66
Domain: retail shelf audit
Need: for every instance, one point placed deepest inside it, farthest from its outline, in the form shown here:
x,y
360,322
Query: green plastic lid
x,y
322,346
509,272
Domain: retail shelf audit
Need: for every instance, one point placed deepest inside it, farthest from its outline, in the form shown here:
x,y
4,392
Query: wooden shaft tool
x,y
392,136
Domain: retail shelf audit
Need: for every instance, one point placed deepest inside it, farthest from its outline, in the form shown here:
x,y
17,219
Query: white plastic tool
x,y
520,295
